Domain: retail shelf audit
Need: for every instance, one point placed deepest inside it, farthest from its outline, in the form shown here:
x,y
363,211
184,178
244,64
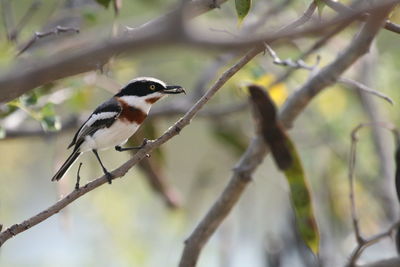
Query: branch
x,y
257,149
14,34
300,64
341,8
362,87
39,35
27,76
363,243
155,33
242,174
123,169
302,19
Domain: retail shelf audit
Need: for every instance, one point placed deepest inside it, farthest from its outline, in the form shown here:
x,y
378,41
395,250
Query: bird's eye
x,y
152,87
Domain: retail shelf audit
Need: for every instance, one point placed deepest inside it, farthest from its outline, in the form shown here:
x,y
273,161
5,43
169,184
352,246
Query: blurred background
x,y
140,221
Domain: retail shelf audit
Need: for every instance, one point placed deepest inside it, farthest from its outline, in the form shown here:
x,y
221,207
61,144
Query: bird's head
x,y
149,89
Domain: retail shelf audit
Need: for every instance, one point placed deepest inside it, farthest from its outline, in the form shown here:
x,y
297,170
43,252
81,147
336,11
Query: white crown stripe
x,y
148,79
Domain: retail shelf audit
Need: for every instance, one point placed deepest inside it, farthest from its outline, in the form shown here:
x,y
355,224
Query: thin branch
x,y
8,17
300,64
363,243
297,64
123,169
257,150
14,34
158,32
341,8
362,87
352,164
302,19
39,35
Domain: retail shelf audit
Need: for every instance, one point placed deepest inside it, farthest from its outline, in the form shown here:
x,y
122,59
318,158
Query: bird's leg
x,y
109,175
121,149
78,177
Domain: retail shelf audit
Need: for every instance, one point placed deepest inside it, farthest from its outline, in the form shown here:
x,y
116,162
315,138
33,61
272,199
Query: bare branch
x,y
341,8
297,64
302,19
14,34
38,35
123,169
362,87
8,17
300,64
363,243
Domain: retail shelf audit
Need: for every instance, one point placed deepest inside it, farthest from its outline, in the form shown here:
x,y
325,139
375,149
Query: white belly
x,y
117,134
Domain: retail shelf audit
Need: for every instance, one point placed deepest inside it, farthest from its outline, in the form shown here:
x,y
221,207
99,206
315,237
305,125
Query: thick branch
x,y
158,32
123,169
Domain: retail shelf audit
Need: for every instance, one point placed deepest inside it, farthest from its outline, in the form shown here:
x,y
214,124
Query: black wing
x,y
103,116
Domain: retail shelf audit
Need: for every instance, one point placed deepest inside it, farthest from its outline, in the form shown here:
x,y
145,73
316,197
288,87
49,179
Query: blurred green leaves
x,y
45,114
48,118
242,9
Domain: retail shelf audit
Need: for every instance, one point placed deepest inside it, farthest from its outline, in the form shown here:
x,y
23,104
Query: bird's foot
x,y
109,176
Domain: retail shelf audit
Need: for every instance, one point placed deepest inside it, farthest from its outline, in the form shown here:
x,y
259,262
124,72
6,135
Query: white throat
x,y
140,101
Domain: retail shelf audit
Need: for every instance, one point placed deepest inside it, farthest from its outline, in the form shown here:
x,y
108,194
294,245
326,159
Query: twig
x,y
362,242
123,169
8,18
257,150
352,164
38,35
302,19
362,87
300,64
341,8
297,64
25,19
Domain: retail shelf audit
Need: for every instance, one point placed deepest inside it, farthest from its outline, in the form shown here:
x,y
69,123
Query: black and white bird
x,y
117,119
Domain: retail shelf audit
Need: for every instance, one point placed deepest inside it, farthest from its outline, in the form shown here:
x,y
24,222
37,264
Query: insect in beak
x,y
173,89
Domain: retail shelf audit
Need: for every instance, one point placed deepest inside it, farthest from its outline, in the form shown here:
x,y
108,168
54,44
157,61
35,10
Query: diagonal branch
x,y
123,169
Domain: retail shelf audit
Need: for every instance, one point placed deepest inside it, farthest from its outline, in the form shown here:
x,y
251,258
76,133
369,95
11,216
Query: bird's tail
x,y
71,159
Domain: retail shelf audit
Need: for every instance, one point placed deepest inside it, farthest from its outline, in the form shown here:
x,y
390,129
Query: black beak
x,y
173,89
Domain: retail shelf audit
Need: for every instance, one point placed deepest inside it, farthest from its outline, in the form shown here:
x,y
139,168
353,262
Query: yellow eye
x,y
152,87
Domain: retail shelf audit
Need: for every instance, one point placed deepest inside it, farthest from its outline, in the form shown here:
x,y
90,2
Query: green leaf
x,y
301,199
48,118
29,99
104,3
320,6
242,9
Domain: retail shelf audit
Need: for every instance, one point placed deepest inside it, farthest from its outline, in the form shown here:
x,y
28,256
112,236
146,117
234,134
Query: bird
x,y
114,121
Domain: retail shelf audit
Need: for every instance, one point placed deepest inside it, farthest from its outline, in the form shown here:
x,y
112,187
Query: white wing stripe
x,y
100,116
